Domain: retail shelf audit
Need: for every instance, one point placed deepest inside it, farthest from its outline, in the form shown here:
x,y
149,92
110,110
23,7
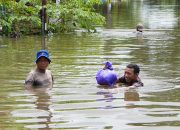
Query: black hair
x,y
139,28
135,67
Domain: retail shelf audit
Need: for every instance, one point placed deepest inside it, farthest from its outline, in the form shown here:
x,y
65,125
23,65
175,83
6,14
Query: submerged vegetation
x,y
24,17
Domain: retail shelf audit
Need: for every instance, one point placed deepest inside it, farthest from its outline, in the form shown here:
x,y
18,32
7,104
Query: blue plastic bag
x,y
107,75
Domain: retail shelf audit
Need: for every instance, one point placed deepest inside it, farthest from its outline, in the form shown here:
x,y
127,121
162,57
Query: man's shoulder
x,y
138,83
139,79
32,72
48,71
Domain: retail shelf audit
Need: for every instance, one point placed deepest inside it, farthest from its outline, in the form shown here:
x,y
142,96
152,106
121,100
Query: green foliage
x,y
17,17
67,16
74,14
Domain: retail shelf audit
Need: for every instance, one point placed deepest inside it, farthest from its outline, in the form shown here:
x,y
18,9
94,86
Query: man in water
x,y
131,77
139,28
40,77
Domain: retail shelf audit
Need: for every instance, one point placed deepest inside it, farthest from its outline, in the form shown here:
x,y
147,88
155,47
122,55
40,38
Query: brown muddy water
x,y
76,102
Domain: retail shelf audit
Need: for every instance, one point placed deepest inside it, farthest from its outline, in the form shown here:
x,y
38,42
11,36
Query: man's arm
x,y
136,84
29,81
121,80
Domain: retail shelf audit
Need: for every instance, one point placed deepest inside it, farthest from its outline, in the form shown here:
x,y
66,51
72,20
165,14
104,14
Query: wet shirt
x,y
136,83
38,79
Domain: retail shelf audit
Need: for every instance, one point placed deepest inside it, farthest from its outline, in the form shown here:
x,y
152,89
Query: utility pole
x,y
43,23
57,2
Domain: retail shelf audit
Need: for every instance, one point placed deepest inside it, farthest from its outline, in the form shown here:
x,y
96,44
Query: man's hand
x,y
28,87
130,87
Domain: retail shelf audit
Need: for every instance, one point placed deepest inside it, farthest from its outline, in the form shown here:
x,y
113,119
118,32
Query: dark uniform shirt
x,y
136,83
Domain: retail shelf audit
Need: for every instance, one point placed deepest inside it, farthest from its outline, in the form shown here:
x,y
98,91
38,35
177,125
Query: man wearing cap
x,y
41,76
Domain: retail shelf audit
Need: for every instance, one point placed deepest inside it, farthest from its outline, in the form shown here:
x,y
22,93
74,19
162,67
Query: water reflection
x,y
42,103
38,115
109,95
131,95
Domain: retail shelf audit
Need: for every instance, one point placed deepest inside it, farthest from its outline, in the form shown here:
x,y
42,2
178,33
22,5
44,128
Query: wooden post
x,y
43,23
57,2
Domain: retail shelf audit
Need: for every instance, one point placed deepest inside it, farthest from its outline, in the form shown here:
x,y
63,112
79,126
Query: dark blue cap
x,y
42,53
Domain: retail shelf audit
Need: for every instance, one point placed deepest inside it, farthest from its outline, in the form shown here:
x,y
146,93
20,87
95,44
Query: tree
x,y
23,16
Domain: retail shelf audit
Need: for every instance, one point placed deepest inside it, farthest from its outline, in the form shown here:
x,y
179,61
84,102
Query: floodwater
x,y
76,101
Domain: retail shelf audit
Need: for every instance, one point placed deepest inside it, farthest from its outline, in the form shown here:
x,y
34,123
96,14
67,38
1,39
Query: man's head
x,y
131,72
42,59
139,28
42,53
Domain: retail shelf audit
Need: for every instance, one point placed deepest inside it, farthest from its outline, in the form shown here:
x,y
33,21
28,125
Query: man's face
x,y
129,75
42,63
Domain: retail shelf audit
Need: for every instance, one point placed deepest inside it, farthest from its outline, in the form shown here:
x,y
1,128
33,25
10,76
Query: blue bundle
x,y
107,75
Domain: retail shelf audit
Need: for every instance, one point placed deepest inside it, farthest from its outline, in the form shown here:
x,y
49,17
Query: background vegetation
x,y
24,16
